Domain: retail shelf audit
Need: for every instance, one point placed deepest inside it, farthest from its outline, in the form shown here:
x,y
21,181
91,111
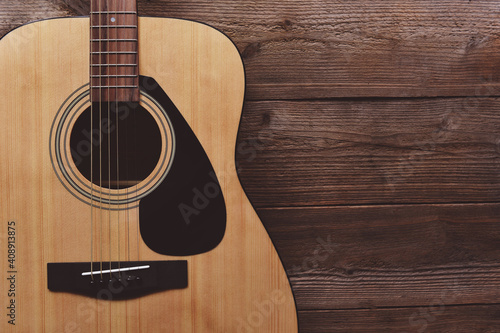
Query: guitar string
x,y
136,37
136,185
115,15
91,148
127,176
108,50
127,110
127,215
100,137
134,172
136,56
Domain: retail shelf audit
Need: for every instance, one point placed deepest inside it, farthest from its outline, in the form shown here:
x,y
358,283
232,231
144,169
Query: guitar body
x,y
236,285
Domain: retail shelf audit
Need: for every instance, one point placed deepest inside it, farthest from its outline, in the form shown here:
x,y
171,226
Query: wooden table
x,y
370,146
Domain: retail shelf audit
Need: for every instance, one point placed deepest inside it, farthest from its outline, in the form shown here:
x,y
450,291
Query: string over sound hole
x,y
115,145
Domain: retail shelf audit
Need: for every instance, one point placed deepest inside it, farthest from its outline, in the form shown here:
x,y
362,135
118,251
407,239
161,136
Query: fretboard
x,y
114,70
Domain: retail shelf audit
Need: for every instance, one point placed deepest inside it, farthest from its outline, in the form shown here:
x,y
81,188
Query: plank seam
x,y
396,307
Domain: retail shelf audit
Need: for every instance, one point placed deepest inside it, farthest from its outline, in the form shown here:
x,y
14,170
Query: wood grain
x,y
366,151
387,256
432,317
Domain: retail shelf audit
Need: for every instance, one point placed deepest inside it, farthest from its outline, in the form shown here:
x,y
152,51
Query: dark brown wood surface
x,y
371,151
365,257
370,146
433,317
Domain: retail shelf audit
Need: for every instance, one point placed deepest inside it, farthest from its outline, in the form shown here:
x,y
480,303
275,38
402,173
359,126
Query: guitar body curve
x,y
238,286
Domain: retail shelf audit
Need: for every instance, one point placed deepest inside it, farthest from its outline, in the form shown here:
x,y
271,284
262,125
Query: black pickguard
x,y
186,214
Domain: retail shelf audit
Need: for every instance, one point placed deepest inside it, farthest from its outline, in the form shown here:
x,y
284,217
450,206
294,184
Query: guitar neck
x,y
114,61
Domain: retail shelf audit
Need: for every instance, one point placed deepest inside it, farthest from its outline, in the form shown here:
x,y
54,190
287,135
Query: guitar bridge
x,y
124,280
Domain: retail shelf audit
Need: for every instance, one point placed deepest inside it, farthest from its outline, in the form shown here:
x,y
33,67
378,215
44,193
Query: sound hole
x,y
123,144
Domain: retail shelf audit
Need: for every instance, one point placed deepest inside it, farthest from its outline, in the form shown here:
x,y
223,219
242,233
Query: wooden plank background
x,y
370,146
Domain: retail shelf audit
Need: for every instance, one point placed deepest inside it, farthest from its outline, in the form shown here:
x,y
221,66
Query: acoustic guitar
x,y
121,206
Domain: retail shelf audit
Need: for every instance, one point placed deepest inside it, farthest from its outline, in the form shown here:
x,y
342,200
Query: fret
x,y
113,76
113,40
114,12
115,52
113,65
114,87
114,26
